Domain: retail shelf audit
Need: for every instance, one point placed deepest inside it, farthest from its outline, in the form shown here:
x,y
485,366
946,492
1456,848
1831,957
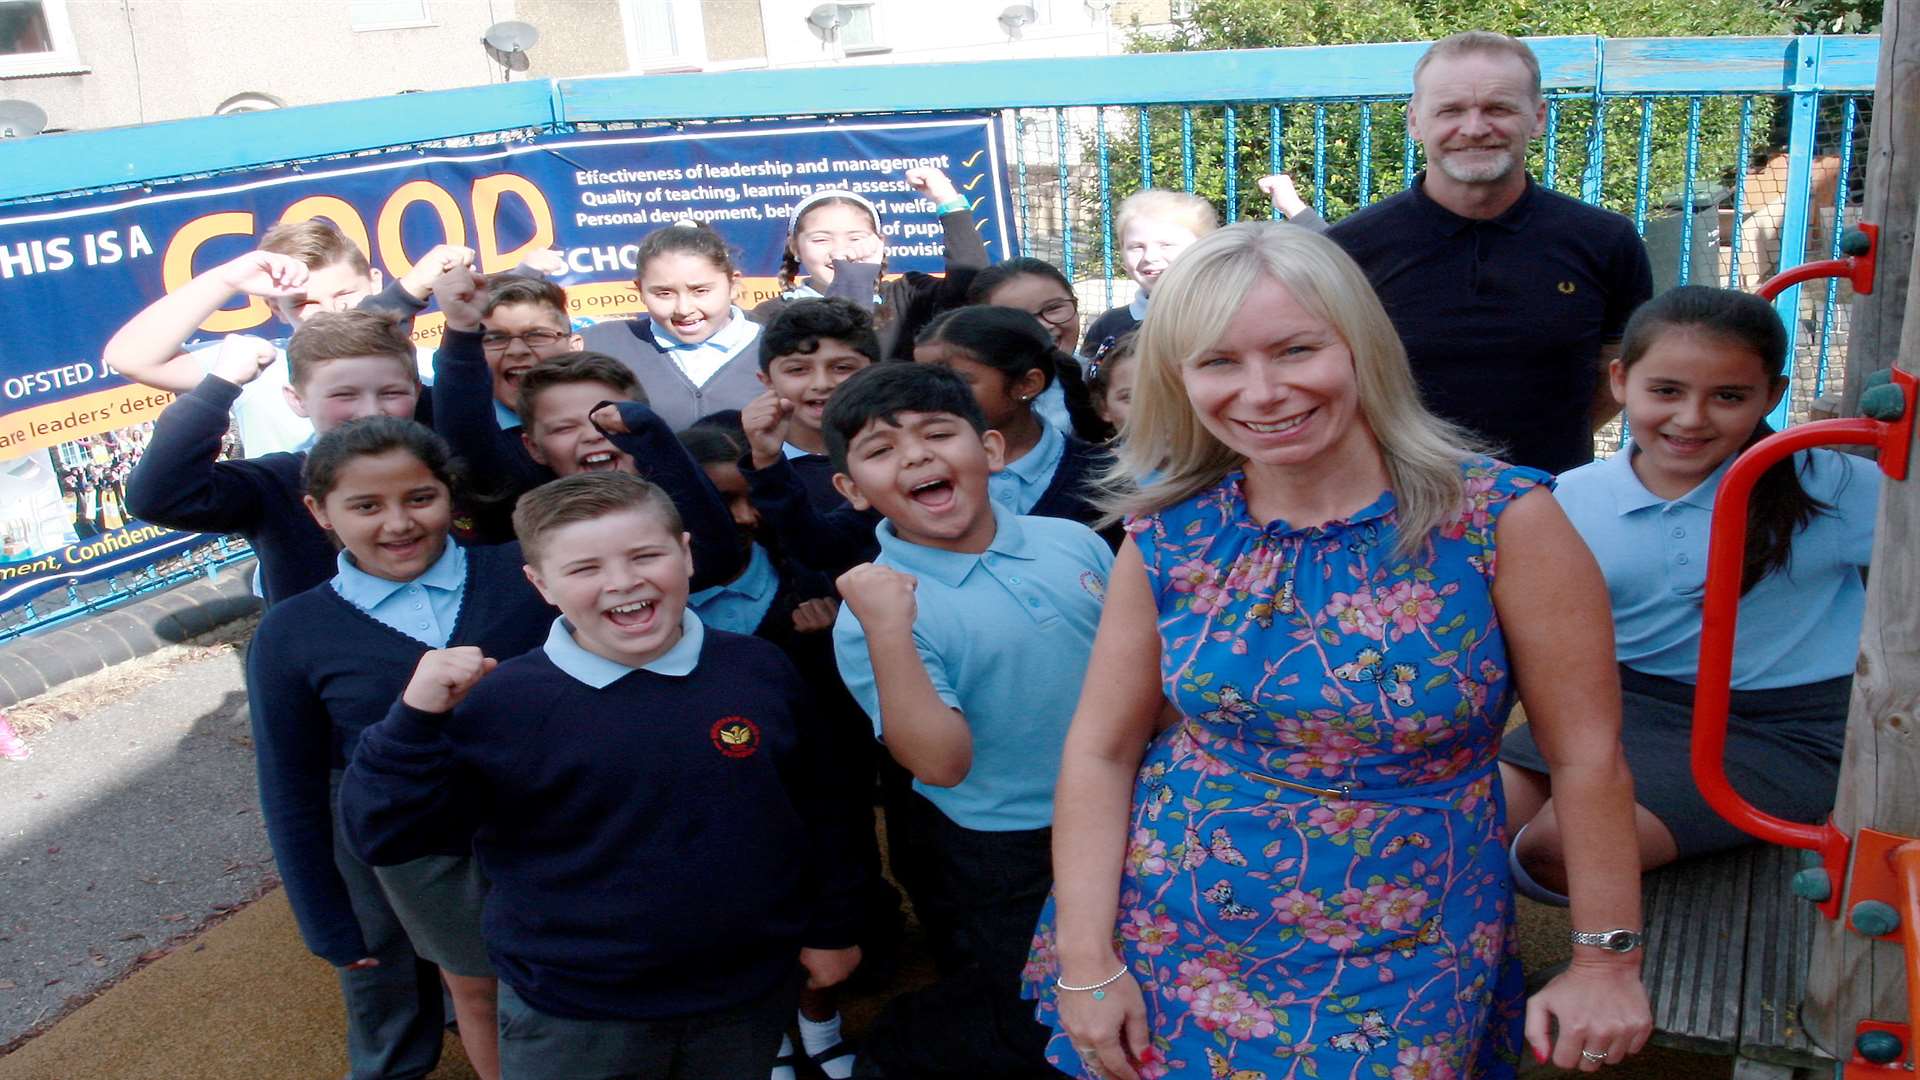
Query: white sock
x,y
819,1035
784,1072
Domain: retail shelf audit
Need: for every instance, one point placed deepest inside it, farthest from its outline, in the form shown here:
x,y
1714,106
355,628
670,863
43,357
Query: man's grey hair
x,y
1483,42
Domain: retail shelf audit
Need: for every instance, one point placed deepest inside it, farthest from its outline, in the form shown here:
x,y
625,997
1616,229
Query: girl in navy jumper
x,y
644,797
836,247
329,662
1007,359
1038,288
695,352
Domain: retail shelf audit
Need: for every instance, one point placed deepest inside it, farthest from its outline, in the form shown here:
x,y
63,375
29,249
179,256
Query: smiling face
x,y
1692,400
561,437
687,294
927,474
335,287
1044,299
1149,245
835,230
1119,397
1278,388
621,581
514,337
390,512
1475,114
1003,400
807,380
351,387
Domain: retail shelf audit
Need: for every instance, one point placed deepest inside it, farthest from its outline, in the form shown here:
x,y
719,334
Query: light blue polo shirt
x,y
1799,625
1019,485
1005,636
599,672
424,609
701,360
740,604
505,417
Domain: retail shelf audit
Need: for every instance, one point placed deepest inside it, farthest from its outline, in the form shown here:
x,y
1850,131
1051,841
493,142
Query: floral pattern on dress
x,y
1315,883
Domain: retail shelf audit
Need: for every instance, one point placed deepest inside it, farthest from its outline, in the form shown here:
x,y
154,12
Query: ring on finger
x,y
1594,1055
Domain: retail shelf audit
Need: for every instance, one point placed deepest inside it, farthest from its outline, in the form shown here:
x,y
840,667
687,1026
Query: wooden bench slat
x,y
1781,928
1695,963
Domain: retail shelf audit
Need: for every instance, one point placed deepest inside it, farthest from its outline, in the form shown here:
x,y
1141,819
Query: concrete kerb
x,y
33,665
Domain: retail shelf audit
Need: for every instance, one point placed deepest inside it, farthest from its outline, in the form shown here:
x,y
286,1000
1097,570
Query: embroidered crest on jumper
x,y
735,736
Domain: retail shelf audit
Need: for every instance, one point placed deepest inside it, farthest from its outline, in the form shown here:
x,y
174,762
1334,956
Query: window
x,y
36,39
861,32
663,34
251,101
387,14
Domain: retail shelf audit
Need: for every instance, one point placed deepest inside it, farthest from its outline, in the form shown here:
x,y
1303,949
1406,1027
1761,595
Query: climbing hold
x,y
1884,402
1879,1047
1855,242
1813,884
1875,918
1877,378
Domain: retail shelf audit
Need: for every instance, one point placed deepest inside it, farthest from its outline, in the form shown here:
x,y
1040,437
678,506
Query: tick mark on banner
x,y
968,164
973,183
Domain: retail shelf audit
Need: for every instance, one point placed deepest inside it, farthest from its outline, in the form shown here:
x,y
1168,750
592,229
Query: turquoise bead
x,y
1099,995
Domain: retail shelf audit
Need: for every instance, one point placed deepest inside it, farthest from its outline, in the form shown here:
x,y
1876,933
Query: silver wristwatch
x,y
1620,941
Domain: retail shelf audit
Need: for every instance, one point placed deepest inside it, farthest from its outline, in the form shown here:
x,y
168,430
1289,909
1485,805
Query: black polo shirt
x,y
1504,319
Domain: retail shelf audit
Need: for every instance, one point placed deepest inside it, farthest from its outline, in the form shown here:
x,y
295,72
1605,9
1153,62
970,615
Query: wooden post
x,y
1891,196
1853,978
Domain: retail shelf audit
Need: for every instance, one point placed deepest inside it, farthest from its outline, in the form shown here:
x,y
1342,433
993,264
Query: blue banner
x,y
73,270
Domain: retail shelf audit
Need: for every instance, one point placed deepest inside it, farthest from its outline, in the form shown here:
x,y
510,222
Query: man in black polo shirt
x,y
1511,298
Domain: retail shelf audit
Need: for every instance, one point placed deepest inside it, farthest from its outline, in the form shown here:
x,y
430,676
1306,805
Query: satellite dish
x,y
19,119
508,42
828,17
1017,16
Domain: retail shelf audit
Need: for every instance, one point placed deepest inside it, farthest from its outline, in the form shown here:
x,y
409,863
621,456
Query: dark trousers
x,y
739,1042
972,1023
395,1020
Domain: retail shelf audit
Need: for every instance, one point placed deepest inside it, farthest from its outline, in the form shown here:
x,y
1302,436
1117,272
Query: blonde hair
x,y
1199,296
317,243
1179,207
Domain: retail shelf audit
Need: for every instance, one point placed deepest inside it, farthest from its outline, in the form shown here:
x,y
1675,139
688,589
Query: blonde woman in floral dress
x,y
1306,875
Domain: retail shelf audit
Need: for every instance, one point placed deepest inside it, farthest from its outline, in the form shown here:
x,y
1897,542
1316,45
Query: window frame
x,y
62,59
689,37
425,20
877,26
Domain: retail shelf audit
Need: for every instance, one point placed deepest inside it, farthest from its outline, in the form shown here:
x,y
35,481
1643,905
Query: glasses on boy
x,y
536,339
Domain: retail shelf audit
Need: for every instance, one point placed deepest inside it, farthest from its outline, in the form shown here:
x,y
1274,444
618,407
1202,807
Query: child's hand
x,y
933,184
265,273
240,358
882,599
867,249
445,676
547,262
461,292
813,616
606,417
440,259
829,967
765,420
363,964
1284,196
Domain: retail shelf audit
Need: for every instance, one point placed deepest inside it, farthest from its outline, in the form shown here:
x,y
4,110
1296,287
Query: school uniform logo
x,y
735,736
1095,586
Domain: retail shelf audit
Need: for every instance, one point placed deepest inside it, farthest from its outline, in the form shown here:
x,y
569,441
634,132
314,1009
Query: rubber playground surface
x,y
247,1002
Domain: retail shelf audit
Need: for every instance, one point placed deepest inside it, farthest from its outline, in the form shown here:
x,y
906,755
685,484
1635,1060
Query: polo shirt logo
x,y
1095,587
1567,288
735,736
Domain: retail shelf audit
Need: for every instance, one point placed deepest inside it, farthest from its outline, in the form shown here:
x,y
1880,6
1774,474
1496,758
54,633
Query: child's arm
x,y
923,727
400,799
831,951
147,349
637,431
293,753
180,481
831,543
463,392
965,249
407,295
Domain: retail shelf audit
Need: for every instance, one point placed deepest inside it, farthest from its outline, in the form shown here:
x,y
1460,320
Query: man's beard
x,y
1483,171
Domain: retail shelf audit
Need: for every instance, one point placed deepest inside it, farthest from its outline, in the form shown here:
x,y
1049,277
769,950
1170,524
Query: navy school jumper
x,y
319,672
661,847
833,541
181,483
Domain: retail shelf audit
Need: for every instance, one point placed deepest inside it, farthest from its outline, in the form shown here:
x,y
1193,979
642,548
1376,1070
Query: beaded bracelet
x,y
1099,988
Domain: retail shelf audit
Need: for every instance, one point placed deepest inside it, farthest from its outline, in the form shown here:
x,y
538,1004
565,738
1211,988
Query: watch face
x,y
1621,940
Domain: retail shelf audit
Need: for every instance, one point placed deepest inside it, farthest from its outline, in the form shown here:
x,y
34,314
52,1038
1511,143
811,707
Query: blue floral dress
x,y
1315,884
